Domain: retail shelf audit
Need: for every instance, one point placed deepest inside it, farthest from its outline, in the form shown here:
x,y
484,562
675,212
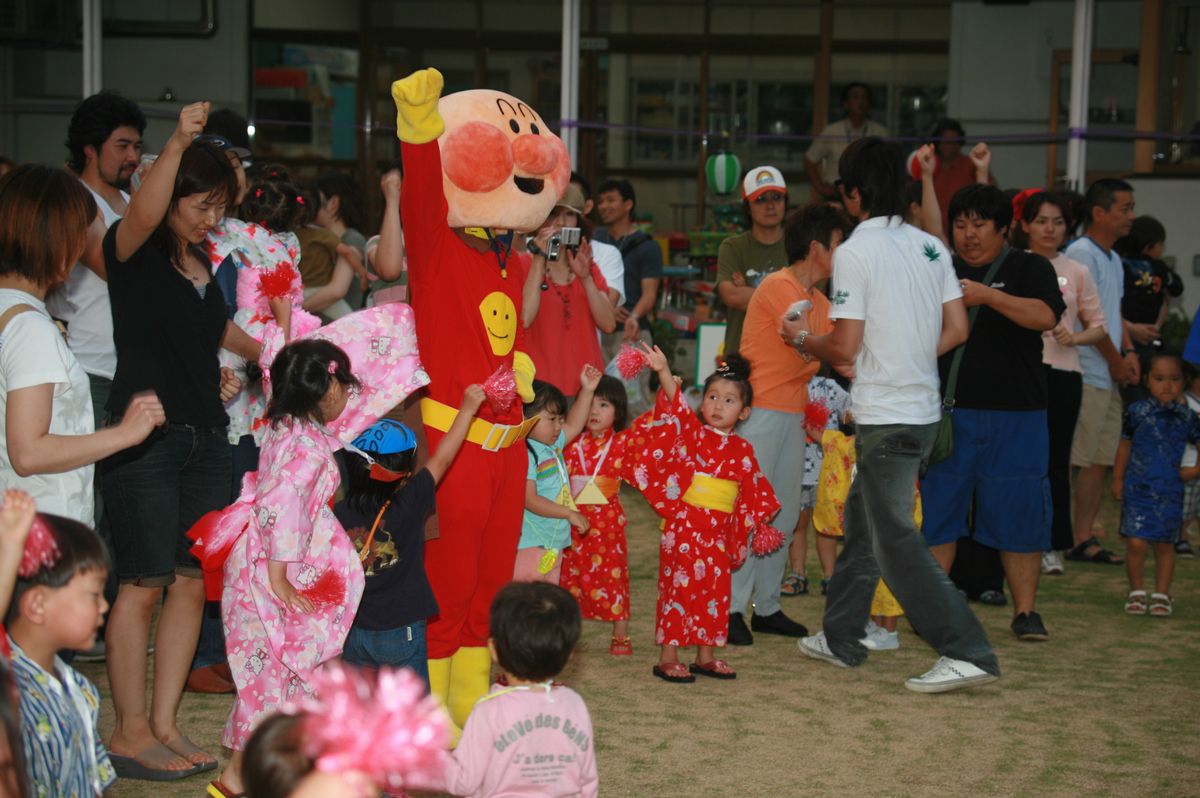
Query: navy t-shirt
x,y
397,592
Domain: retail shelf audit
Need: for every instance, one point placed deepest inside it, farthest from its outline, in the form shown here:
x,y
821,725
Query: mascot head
x,y
502,165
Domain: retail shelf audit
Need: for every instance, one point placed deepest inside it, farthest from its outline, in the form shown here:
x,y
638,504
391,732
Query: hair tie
x,y
299,200
41,550
1018,202
332,368
258,193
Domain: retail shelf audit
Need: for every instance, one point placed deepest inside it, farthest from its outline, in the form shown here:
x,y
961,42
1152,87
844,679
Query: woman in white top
x,y
45,399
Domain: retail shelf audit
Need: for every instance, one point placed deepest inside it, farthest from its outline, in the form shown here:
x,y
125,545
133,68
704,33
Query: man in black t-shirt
x,y
1001,446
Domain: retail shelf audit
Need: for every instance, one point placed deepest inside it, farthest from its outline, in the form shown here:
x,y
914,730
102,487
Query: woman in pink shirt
x,y
1042,229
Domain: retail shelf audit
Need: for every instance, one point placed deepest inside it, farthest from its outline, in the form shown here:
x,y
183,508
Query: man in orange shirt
x,y
779,375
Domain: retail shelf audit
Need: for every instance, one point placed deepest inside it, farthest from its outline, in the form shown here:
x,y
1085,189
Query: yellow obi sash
x,y
490,437
712,493
594,490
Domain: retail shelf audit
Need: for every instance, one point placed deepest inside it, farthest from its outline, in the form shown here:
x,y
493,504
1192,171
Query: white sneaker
x,y
1052,563
817,647
949,674
880,639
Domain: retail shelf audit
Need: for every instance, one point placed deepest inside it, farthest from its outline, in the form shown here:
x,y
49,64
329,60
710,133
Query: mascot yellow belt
x,y
477,164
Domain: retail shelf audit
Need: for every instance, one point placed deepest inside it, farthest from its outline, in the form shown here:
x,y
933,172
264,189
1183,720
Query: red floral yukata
x,y
700,546
596,567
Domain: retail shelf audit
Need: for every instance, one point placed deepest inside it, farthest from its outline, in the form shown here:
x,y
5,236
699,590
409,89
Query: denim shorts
x,y
403,647
156,491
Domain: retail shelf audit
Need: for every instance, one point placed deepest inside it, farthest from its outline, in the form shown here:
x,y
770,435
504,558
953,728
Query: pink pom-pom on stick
x,y
329,590
41,550
278,282
501,389
383,726
630,362
767,540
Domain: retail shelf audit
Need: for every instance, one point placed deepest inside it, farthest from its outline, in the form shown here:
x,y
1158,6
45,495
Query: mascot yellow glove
x,y
416,97
524,370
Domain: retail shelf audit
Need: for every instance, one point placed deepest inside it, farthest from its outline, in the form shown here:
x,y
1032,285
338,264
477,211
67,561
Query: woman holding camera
x,y
565,298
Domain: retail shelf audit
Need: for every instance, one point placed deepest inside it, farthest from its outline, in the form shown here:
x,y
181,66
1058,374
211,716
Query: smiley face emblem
x,y
500,320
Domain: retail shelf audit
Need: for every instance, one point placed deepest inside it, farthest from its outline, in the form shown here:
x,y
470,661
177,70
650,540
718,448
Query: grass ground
x,y
1106,708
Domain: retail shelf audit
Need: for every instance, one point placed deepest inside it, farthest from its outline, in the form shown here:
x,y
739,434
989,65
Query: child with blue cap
x,y
384,513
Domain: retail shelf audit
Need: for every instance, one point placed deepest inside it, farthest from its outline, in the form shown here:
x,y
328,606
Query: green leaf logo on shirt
x,y
930,252
840,297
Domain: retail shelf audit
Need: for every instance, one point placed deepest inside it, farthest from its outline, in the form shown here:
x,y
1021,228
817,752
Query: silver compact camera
x,y
569,237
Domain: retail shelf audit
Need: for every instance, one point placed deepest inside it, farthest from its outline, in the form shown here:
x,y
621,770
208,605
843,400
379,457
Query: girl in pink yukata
x,y
704,481
292,580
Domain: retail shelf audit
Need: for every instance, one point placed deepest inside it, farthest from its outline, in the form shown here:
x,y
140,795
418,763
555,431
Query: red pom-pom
x,y
816,415
278,282
630,362
328,590
767,540
41,551
501,389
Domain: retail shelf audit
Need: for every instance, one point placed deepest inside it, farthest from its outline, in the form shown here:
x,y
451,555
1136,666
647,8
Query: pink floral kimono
x,y
284,514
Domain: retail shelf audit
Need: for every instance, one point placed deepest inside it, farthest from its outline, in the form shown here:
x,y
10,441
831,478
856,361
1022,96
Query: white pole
x,y
569,108
92,43
1081,67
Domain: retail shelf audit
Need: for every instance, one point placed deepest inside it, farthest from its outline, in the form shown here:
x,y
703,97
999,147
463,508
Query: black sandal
x,y
794,584
1101,555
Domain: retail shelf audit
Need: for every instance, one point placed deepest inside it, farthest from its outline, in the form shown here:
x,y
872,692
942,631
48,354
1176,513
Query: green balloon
x,y
723,170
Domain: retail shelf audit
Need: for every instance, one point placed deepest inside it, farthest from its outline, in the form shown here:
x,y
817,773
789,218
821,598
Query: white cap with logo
x,y
760,179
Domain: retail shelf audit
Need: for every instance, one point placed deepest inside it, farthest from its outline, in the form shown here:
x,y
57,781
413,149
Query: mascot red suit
x,y
478,166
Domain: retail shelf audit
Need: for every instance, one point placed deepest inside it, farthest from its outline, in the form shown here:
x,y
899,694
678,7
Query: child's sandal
x,y
621,647
1136,603
1160,605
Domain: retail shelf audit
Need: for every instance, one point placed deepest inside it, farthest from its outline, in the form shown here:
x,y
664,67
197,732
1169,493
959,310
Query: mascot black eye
x,y
534,130
512,123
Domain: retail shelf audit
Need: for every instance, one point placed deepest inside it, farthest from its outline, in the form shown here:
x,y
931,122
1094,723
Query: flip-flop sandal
x,y
794,584
127,767
1102,555
1135,604
218,790
185,742
717,669
673,672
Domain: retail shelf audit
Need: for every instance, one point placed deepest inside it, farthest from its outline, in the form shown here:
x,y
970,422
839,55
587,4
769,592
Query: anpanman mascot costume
x,y
478,166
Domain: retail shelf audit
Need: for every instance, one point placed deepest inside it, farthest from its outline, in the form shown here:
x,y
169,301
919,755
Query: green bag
x,y
943,444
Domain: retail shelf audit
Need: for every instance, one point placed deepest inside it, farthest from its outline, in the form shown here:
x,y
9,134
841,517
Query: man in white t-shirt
x,y
105,143
898,306
821,160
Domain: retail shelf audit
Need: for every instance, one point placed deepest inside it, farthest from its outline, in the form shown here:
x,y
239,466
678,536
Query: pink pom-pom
x,y
329,590
767,540
278,282
383,725
501,389
816,415
41,550
630,362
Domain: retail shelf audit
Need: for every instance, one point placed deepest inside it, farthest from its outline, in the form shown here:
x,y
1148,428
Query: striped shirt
x,y
63,752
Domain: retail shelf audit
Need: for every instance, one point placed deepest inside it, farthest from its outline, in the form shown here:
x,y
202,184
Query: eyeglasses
x,y
770,196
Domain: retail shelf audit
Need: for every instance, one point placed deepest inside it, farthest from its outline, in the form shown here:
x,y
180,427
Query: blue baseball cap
x,y
386,436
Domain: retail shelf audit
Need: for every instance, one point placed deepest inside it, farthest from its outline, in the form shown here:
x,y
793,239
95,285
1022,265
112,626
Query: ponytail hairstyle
x,y
735,369
273,204
301,375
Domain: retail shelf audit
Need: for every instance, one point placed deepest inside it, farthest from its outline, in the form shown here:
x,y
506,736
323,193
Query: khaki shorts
x,y
1098,431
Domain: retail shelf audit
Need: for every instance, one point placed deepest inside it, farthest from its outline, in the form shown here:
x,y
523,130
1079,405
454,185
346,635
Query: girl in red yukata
x,y
705,483
596,567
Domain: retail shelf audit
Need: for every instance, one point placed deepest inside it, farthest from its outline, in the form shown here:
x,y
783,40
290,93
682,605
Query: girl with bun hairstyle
x,y
703,480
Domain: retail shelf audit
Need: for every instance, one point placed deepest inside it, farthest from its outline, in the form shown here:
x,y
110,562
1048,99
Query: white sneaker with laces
x,y
949,674
880,639
1052,563
817,647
